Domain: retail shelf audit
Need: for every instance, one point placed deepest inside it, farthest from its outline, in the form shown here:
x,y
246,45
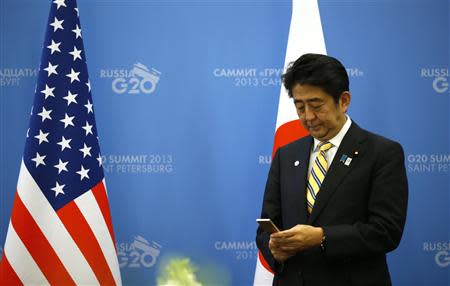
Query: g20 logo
x,y
442,258
139,253
142,80
440,84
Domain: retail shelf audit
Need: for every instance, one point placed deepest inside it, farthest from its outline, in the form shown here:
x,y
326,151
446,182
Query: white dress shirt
x,y
336,141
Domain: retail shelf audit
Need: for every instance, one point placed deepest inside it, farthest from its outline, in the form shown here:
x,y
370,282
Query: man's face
x,y
318,112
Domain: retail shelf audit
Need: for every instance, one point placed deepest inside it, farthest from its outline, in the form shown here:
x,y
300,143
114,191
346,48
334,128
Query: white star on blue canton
x,y
89,107
57,24
99,159
42,137
48,91
77,32
88,85
73,75
59,3
51,69
64,143
45,114
83,173
88,128
39,159
68,120
70,98
58,189
61,166
76,53
54,47
86,150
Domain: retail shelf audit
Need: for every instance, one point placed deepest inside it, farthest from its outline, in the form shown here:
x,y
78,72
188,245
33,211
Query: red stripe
x,y
264,262
288,133
7,274
82,234
38,246
102,201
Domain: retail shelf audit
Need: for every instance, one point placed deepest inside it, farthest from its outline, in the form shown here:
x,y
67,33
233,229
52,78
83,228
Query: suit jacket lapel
x,y
302,153
338,170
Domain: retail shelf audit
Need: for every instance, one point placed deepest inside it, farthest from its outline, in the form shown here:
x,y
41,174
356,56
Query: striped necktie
x,y
317,175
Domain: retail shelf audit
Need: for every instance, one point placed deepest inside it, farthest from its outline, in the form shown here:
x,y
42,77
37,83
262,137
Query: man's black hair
x,y
317,70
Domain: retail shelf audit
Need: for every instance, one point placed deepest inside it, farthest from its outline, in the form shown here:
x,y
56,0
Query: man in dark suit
x,y
339,196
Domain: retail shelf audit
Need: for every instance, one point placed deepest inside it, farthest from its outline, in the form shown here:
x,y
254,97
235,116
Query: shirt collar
x,y
336,140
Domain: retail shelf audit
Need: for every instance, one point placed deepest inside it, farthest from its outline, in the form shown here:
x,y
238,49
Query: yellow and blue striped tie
x,y
317,175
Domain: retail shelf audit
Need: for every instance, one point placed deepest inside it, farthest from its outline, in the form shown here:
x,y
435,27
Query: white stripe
x,y
21,260
305,36
104,185
91,211
53,229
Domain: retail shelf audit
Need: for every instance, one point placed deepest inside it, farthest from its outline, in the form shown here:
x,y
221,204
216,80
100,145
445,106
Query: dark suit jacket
x,y
361,208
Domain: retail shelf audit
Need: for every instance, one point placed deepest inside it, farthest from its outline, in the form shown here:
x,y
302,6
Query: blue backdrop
x,y
185,94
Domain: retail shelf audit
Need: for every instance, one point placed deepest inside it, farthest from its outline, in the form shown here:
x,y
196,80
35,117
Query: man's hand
x,y
278,253
285,244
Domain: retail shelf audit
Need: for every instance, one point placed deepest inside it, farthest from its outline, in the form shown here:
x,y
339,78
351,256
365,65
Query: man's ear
x,y
344,100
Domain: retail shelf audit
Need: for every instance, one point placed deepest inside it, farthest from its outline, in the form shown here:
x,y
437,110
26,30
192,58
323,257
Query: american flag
x,y
60,232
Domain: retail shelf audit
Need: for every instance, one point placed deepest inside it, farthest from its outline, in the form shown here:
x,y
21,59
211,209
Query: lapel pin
x,y
346,160
296,163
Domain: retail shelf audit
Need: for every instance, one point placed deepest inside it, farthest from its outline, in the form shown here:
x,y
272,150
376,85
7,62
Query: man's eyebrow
x,y
314,99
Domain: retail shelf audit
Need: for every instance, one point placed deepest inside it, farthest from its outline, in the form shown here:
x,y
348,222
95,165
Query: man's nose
x,y
309,114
